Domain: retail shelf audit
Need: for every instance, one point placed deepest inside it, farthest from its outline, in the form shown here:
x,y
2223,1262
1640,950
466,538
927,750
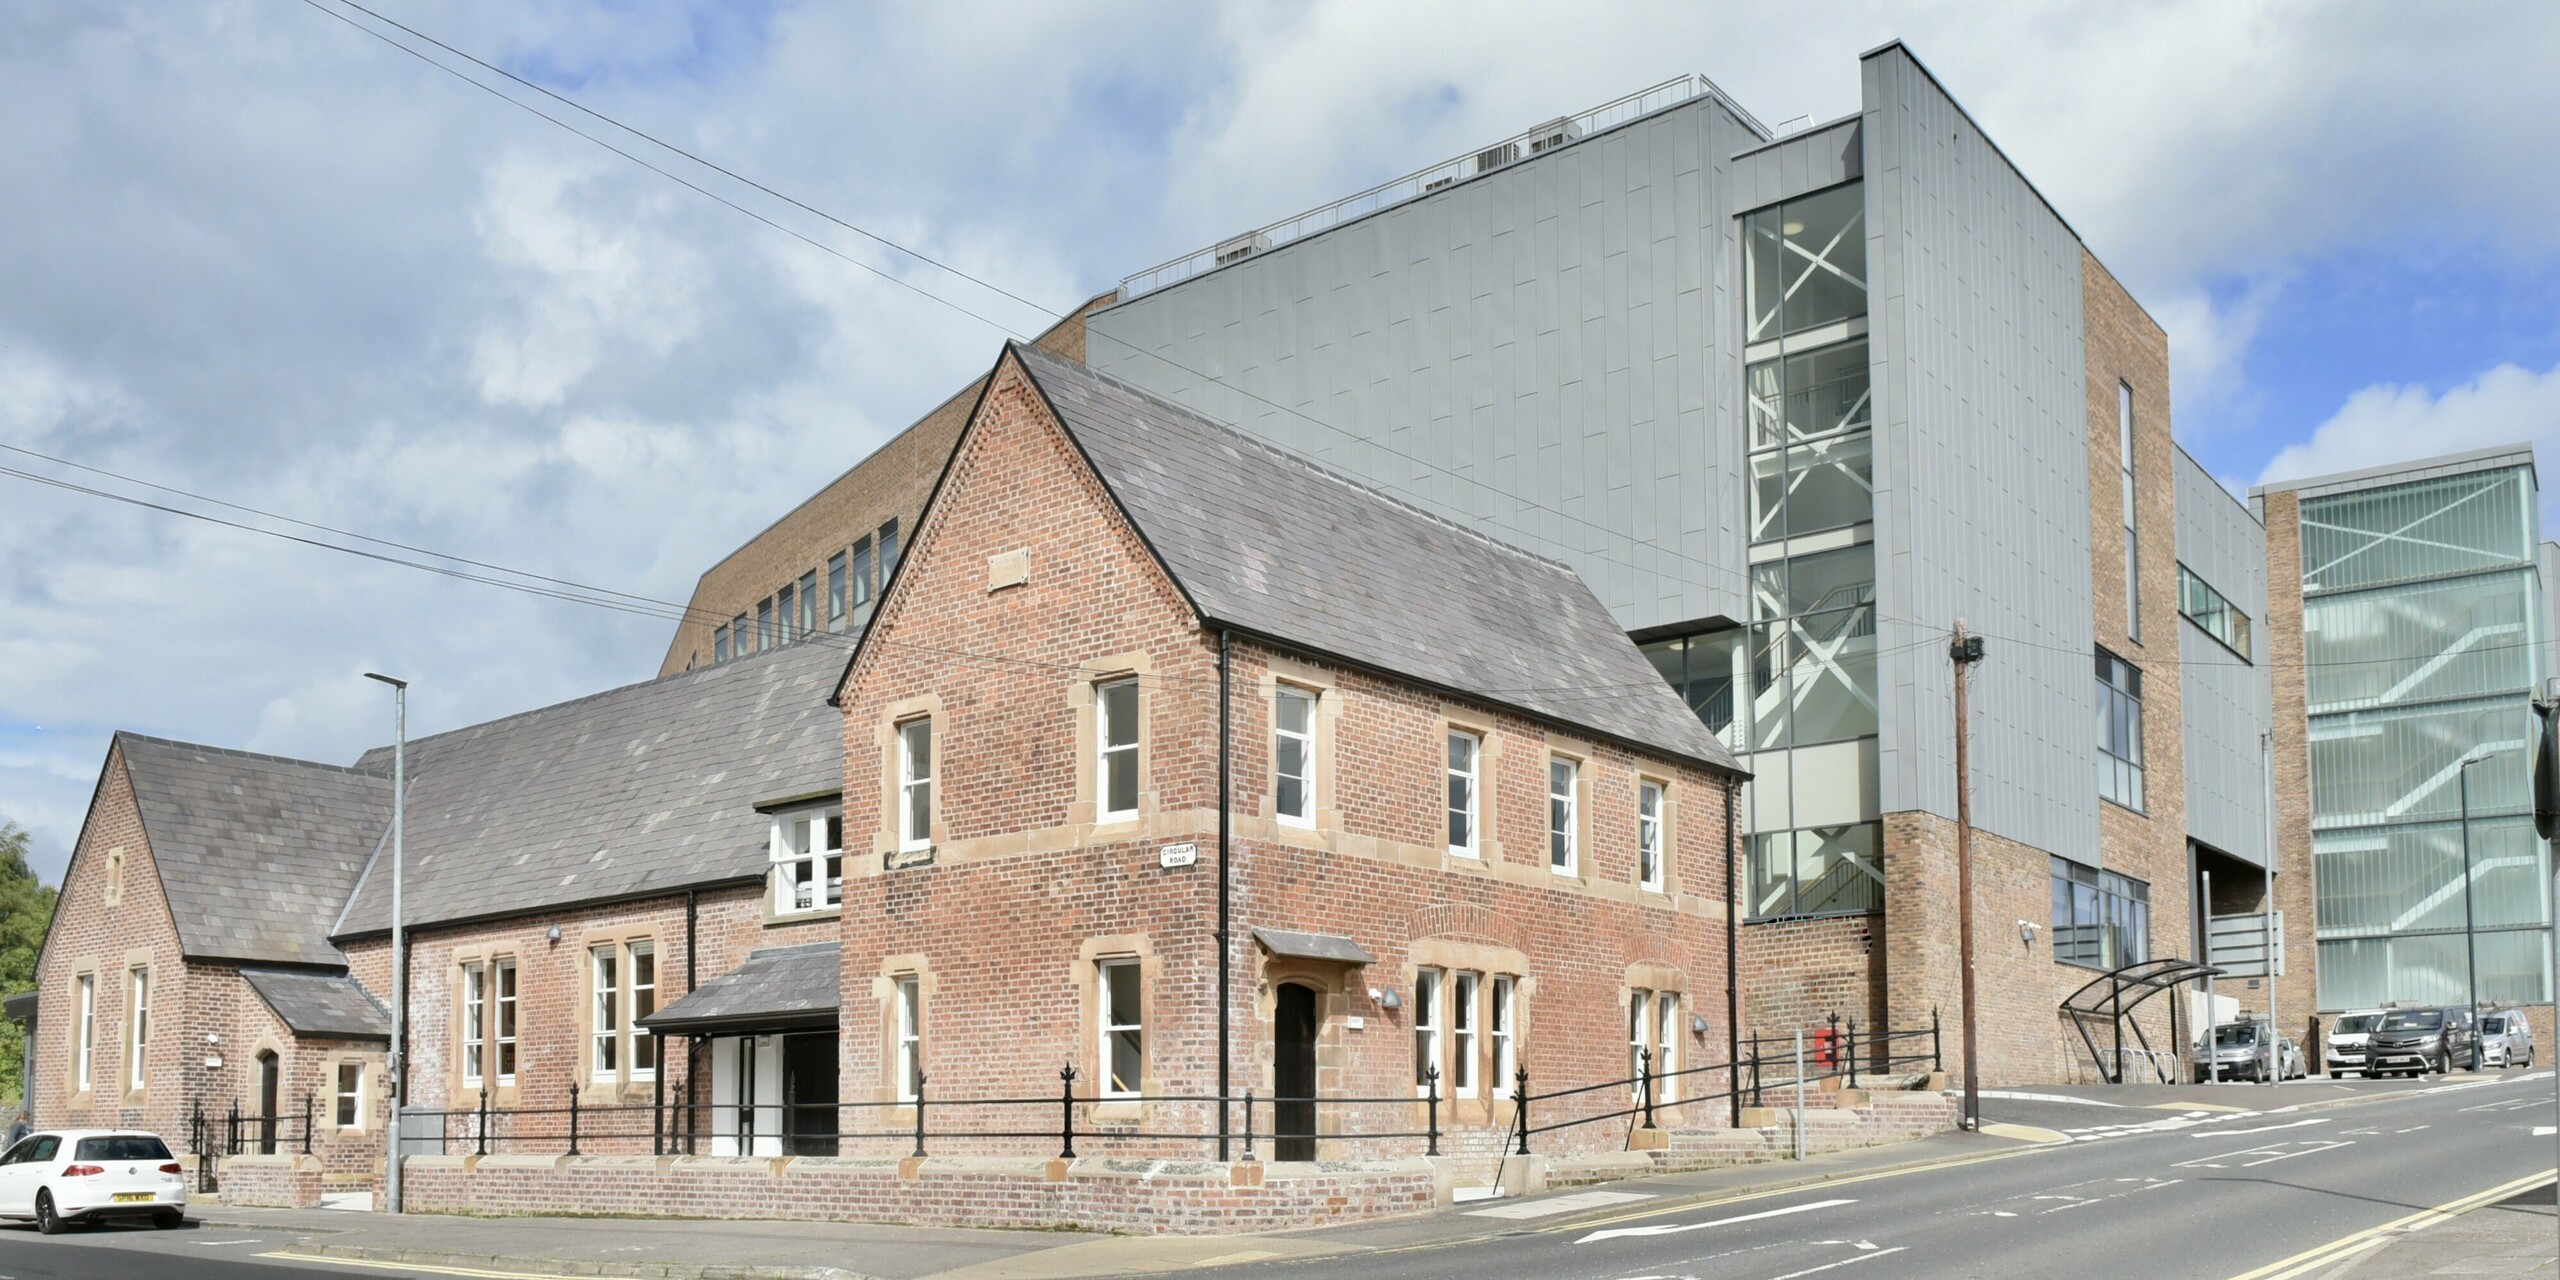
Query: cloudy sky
x,y
249,251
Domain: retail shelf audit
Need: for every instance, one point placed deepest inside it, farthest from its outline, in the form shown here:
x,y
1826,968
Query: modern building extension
x,y
1795,406
2413,597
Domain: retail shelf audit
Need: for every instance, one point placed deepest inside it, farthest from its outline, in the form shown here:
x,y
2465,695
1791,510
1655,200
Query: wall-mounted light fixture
x,y
1388,1000
552,933
2027,932
1697,1024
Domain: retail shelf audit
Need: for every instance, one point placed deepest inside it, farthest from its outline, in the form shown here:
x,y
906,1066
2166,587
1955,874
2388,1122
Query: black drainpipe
x,y
1732,929
1225,948
692,1044
689,917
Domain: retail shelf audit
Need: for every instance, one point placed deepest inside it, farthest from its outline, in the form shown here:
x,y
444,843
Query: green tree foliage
x,y
26,907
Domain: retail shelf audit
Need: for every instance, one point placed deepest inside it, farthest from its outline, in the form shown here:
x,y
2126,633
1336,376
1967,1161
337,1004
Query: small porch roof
x,y
775,989
1312,946
325,1006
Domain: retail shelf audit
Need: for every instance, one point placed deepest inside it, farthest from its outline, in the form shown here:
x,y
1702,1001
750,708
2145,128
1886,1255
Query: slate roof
x,y
329,1005
778,986
255,853
1274,545
639,790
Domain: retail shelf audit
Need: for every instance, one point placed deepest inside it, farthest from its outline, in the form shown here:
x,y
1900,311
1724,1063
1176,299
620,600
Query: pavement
x,y
2308,1179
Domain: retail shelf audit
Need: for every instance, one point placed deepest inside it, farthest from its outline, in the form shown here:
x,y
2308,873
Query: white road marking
x,y
2413,1128
2267,1154
2015,1096
1676,1228
2544,1131
1841,1263
216,1244
2237,1133
1561,1204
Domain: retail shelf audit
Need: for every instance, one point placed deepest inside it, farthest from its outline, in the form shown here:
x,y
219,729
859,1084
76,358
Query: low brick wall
x,y
270,1182
1140,1196
1768,1134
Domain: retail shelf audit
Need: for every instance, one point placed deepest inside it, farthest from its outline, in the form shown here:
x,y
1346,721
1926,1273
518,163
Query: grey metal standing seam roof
x,y
777,986
329,1005
255,853
644,789
1272,544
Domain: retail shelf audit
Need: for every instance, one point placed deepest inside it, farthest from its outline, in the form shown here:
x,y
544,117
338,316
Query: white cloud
x,y
2386,424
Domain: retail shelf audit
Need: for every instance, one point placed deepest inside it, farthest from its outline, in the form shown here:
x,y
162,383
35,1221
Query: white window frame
x,y
1649,834
475,1024
632,955
1465,988
604,1002
1639,1026
348,1104
822,860
1564,814
1107,752
1502,1029
138,1022
1472,779
1282,696
504,1028
915,790
1666,1043
1429,990
87,984
1112,1020
908,992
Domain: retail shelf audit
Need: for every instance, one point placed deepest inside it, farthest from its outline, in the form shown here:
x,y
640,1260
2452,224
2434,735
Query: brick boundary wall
x,y
270,1182
1176,1197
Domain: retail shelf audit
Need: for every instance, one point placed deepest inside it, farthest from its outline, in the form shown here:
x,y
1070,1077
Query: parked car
x,y
2506,1039
58,1177
2246,1051
2345,1049
2415,1041
2296,1067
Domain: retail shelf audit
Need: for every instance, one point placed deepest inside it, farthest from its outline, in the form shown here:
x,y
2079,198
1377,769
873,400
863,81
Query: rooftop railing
x,y
1421,182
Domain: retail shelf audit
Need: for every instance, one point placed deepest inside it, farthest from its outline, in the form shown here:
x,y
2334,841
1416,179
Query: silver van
x,y
2506,1039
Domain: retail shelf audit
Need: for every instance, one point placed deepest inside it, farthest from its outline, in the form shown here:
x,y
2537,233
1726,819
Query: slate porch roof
x,y
255,853
331,1006
1273,545
772,988
641,790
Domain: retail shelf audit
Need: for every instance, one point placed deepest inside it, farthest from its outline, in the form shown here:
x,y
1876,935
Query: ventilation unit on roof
x,y
1242,247
1554,133
1495,157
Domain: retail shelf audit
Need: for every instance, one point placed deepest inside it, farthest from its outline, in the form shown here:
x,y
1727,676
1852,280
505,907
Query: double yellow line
x,y
2348,1246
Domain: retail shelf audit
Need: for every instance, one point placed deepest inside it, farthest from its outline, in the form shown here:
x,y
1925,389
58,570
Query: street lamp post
x,y
397,1066
2470,939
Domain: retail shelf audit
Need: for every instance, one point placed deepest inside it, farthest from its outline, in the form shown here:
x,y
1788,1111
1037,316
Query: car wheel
x,y
47,1221
169,1221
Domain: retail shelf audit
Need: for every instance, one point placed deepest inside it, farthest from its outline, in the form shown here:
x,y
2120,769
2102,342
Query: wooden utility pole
x,y
1965,651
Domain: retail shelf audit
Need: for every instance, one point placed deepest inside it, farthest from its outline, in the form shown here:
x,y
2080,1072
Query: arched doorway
x,y
270,1088
1293,1072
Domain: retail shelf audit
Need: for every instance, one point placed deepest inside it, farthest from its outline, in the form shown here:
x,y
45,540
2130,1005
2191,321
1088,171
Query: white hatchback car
x,y
58,1177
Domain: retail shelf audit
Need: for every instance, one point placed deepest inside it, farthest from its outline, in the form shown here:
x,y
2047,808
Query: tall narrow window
x,y
765,637
862,589
1463,988
2119,731
350,1094
1639,1021
1563,844
138,1047
1293,723
1123,1030
606,1031
915,784
1501,1027
1464,748
835,591
910,1036
506,1023
475,1025
1426,1028
720,643
1666,1039
88,1028
888,550
809,603
1116,783
742,641
644,1001
2132,557
1649,834
787,613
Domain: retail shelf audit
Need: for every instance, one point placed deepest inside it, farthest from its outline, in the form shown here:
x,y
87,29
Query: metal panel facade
x,y
2227,699
1981,469
1534,352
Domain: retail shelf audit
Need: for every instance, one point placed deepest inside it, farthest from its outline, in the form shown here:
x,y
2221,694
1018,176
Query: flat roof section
x,y
2492,458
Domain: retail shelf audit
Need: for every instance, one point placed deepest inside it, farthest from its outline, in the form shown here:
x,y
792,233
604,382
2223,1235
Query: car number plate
x,y
129,1197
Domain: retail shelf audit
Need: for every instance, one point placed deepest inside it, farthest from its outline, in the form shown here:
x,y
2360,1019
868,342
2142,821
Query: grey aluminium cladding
x,y
2224,695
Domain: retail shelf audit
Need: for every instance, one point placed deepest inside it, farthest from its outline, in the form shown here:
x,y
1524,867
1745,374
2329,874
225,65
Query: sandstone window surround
x,y
908,1010
115,876
1564,815
622,988
485,1023
807,856
1117,731
1650,818
915,784
1653,1026
349,1075
137,1027
1120,985
84,1030
1464,764
1293,755
1466,1022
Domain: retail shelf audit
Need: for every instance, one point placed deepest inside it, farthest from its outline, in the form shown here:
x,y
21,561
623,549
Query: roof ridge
x,y
128,735
733,664
1309,464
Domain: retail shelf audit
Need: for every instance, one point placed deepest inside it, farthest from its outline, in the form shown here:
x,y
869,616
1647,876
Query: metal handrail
x,y
1423,181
